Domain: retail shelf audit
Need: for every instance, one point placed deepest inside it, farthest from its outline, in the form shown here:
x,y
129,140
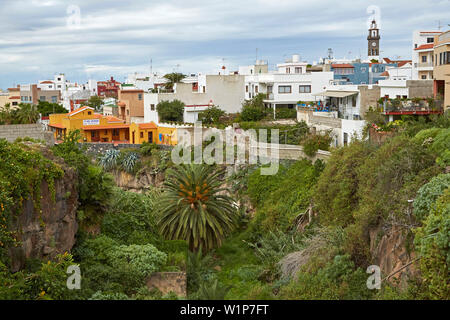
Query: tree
x,y
27,113
95,102
173,78
170,110
46,108
254,109
211,115
194,207
6,114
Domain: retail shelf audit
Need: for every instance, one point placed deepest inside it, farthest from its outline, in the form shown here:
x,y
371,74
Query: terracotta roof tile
x,y
425,46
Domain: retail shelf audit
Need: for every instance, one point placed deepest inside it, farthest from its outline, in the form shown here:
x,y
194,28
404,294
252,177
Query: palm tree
x,y
195,208
173,78
28,113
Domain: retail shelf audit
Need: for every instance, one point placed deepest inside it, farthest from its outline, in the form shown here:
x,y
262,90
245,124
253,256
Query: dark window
x,y
424,58
142,134
430,40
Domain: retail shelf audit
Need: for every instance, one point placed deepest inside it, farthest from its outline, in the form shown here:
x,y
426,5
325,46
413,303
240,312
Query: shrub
x,y
147,148
170,111
286,113
314,142
428,193
251,113
432,243
211,115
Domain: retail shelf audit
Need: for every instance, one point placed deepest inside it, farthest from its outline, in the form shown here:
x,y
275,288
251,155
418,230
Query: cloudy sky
x,y
95,39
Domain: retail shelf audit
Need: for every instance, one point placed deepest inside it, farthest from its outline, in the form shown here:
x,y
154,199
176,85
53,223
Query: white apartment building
x,y
224,91
69,91
422,54
288,85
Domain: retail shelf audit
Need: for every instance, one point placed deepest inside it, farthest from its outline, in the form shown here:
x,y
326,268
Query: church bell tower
x,y
373,41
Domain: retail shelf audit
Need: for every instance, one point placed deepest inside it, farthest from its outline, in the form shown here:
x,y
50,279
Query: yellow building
x,y
441,72
95,127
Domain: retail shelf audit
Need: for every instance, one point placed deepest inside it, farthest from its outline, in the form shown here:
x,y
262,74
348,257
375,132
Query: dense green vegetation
x,y
170,111
308,232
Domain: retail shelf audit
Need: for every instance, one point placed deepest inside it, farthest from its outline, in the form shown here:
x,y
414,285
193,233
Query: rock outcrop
x,y
141,182
45,234
390,252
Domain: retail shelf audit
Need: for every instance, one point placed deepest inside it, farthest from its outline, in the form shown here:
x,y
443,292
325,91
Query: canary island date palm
x,y
194,207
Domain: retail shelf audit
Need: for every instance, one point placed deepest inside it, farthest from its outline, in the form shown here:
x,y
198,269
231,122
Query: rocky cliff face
x,y
51,232
390,252
138,183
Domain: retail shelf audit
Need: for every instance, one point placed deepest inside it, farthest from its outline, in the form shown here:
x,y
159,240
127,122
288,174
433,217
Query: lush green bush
x,y
339,279
131,218
94,185
279,198
314,142
286,113
211,115
110,267
432,243
147,148
335,197
428,193
170,110
251,113
46,108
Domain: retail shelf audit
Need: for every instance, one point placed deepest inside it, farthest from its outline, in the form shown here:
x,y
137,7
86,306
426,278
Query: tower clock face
x,y
374,44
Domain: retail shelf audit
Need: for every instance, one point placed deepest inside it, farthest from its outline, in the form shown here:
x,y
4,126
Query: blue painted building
x,y
359,73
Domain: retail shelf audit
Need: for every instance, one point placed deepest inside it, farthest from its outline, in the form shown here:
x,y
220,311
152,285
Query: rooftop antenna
x,y
256,60
151,66
439,25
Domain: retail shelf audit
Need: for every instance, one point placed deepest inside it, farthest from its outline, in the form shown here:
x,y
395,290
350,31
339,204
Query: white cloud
x,y
117,36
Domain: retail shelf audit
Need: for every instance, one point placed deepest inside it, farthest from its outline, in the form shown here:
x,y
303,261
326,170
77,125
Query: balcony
x,y
425,65
408,107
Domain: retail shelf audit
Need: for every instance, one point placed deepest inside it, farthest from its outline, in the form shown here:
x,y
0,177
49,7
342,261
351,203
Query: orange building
x,y
95,127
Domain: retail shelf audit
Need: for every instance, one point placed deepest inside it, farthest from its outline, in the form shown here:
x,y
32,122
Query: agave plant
x,y
213,290
195,208
109,159
129,161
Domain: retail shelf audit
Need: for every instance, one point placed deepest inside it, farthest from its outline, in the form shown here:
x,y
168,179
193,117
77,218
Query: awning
x,y
336,94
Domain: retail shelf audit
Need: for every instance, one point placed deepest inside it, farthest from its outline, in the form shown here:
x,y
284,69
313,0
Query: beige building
x,y
224,91
441,73
131,105
32,94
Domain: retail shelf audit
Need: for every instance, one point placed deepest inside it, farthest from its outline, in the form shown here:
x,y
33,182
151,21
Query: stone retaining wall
x,y
34,131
